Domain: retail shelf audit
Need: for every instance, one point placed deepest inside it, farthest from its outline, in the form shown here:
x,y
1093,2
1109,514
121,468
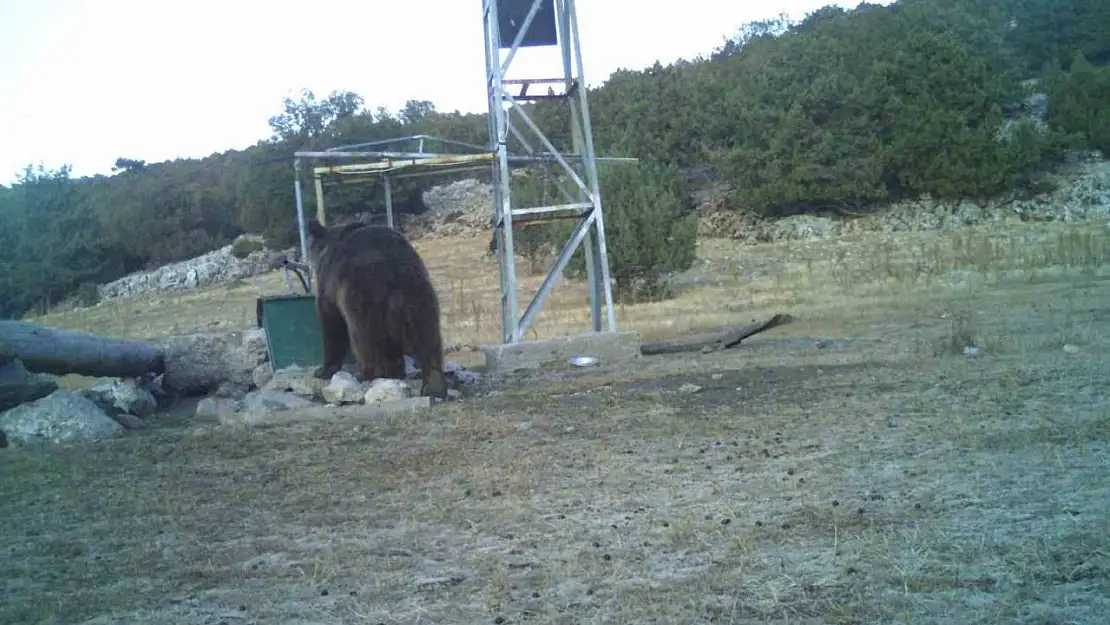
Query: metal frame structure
x,y
543,23
530,23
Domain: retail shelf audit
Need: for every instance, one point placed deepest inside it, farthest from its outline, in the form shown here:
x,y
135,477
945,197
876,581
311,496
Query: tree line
x,y
846,108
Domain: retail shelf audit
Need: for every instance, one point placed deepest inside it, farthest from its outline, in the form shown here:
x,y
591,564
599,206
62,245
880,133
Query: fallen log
x,y
61,352
713,341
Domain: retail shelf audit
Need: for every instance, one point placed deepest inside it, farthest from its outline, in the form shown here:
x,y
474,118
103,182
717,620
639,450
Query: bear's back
x,y
367,255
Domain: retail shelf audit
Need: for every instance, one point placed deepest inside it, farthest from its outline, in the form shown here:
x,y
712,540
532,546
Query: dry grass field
x,y
854,467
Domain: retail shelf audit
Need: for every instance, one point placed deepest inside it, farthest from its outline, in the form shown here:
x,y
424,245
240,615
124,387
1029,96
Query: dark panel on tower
x,y
510,17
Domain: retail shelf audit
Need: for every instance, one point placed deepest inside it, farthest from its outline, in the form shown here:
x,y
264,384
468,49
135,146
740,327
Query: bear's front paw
x,y
323,373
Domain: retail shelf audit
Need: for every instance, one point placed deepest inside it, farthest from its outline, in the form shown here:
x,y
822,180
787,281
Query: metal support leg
x,y
299,195
388,201
589,163
321,212
502,196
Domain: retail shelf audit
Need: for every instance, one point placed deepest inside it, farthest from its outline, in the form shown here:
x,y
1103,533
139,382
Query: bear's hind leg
x,y
429,352
368,352
393,360
334,330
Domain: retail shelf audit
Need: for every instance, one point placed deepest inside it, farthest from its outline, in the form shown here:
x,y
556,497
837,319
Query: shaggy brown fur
x,y
374,296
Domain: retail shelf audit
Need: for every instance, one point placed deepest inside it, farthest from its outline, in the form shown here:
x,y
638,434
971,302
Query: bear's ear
x,y
316,229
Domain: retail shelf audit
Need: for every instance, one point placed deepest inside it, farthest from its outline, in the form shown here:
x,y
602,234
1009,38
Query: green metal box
x,y
293,336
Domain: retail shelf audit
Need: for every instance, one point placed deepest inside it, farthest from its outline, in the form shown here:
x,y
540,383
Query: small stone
x,y
122,397
689,387
297,380
1071,349
717,376
385,390
343,388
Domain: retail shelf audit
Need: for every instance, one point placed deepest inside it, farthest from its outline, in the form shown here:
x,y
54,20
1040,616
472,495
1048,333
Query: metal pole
x,y
510,332
388,201
589,242
300,215
591,168
321,215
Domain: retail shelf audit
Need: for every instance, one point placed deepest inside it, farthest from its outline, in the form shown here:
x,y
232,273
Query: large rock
x,y
197,364
19,386
61,417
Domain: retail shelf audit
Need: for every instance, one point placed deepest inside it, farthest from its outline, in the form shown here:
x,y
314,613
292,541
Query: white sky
x,y
86,81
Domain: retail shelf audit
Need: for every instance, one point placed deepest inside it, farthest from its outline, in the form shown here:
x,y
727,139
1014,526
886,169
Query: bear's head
x,y
321,237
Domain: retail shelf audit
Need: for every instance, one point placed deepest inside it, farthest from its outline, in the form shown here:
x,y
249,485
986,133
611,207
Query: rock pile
x,y
295,388
1079,191
214,267
231,368
463,207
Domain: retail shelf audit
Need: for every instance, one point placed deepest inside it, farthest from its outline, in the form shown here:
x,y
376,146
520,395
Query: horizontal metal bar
x,y
535,220
379,154
537,98
374,177
355,146
537,81
538,157
541,210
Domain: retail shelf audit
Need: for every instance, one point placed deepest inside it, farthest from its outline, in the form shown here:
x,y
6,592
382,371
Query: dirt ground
x,y
854,467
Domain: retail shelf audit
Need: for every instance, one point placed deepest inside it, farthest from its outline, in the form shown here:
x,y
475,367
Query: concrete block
x,y
608,347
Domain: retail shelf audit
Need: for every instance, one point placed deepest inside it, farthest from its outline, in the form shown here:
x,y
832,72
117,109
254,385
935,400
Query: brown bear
x,y
374,296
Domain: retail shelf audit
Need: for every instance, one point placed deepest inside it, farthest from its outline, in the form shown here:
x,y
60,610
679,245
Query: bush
x,y
1079,103
533,242
245,246
87,295
874,106
649,231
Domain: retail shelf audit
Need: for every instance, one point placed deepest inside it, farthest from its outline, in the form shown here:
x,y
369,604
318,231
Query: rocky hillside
x,y
1078,191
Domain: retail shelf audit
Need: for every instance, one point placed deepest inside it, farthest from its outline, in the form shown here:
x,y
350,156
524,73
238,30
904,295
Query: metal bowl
x,y
584,361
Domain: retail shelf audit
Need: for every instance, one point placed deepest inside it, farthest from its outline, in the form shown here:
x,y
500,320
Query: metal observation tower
x,y
509,25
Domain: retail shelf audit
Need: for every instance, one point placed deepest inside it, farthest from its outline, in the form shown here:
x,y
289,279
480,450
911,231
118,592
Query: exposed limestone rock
x,y
60,417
